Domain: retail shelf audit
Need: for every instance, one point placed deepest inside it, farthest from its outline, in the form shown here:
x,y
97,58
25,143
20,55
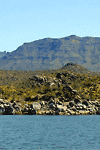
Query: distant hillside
x,y
54,53
3,53
73,67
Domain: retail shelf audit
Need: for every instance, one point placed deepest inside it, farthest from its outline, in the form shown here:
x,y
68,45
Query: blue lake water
x,y
49,132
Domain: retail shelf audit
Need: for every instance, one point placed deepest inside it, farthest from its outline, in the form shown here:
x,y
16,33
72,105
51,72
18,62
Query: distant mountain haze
x,y
3,53
54,53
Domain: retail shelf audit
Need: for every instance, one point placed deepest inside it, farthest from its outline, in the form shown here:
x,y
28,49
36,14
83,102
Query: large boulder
x,y
36,105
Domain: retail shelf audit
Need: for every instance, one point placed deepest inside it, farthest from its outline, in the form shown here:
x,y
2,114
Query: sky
x,y
24,21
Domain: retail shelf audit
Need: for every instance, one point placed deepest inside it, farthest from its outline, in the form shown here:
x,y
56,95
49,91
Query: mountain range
x,y
54,53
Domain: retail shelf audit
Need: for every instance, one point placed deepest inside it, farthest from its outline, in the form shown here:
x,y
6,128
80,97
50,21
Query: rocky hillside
x,y
56,92
54,53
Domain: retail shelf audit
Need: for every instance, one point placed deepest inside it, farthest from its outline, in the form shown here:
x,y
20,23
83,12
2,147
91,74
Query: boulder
x,y
82,112
73,108
8,110
41,112
56,112
31,106
85,103
84,107
31,111
71,104
1,106
14,104
61,107
17,108
42,103
51,105
72,112
36,105
25,111
79,106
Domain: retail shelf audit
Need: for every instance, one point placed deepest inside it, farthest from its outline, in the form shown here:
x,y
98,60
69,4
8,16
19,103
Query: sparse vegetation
x,y
22,87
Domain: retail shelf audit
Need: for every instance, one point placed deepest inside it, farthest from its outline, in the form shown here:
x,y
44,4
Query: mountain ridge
x,y
54,53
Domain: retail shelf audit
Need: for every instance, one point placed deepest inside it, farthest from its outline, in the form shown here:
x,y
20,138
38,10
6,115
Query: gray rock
x,y
36,105
51,105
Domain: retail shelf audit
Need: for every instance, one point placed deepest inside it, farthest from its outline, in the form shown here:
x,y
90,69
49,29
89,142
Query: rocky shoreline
x,y
52,107
45,104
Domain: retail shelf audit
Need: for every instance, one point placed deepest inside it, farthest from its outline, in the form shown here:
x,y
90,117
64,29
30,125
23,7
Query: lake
x,y
24,132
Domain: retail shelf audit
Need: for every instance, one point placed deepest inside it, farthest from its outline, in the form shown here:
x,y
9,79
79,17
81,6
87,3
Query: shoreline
x,y
73,107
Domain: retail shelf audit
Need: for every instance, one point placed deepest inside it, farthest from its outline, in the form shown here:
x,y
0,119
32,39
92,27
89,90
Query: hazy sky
x,y
28,20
